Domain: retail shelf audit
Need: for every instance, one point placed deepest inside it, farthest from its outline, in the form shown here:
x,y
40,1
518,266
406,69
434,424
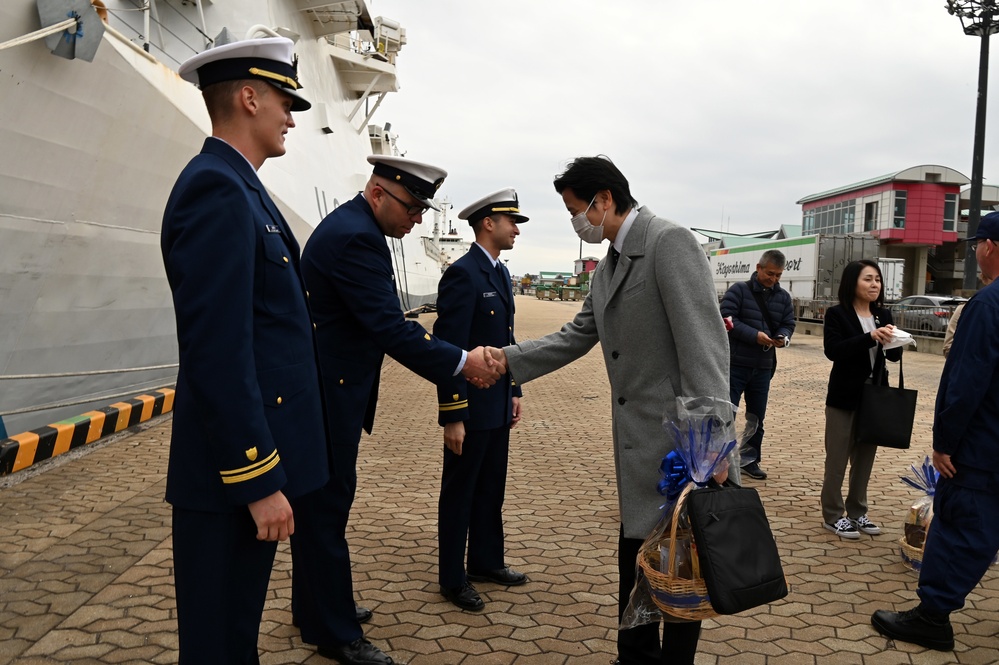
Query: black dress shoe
x,y
358,652
916,627
363,614
466,597
506,576
754,471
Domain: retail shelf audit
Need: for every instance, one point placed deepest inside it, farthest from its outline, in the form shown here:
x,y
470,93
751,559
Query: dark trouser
x,y
755,383
322,589
961,544
221,573
322,598
640,645
473,486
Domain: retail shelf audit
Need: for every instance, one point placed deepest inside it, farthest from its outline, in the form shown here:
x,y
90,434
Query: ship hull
x,y
91,151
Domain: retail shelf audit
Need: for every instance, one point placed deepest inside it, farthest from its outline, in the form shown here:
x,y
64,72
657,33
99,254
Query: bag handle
x,y
671,564
884,368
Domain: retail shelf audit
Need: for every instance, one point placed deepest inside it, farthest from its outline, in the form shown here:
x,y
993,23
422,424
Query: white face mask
x,y
586,231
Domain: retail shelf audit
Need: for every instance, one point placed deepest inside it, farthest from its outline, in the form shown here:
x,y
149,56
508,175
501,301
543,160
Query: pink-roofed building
x,y
916,215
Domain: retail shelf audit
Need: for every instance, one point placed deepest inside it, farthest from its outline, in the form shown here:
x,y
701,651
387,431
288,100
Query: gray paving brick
x,y
85,564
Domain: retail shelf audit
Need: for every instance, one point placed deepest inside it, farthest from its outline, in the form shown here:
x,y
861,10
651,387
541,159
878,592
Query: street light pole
x,y
978,18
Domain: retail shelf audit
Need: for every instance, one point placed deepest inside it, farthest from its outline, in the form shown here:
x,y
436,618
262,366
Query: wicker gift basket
x,y
917,521
673,570
916,528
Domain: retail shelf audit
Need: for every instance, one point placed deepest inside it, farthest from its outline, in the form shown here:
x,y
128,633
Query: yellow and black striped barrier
x,y
22,450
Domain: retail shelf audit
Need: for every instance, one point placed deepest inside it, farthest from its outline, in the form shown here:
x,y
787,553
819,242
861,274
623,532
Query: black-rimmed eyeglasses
x,y
410,209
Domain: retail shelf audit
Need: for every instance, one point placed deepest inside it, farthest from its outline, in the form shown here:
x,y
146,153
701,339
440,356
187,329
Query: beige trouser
x,y
840,449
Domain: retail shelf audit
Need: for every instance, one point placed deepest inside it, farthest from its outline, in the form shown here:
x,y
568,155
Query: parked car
x,y
924,313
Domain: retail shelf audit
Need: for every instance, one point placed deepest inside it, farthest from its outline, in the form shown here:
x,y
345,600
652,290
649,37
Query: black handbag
x,y
886,414
736,549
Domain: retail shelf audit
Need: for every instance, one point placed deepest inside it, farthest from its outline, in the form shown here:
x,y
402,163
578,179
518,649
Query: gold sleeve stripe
x,y
454,407
250,475
246,469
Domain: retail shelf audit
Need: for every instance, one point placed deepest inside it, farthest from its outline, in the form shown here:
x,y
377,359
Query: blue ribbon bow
x,y
675,476
924,478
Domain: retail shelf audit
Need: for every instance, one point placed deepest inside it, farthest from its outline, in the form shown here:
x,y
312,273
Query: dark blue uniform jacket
x,y
348,269
475,306
248,417
966,421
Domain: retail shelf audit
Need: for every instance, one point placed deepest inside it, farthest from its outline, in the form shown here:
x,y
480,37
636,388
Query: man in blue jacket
x,y
963,539
348,269
249,441
475,306
762,321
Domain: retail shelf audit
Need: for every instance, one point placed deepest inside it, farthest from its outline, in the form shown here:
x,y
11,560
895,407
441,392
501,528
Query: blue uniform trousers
x,y
961,544
221,573
473,486
755,383
322,589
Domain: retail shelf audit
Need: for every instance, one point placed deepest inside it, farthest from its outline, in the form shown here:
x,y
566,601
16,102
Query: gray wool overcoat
x,y
656,317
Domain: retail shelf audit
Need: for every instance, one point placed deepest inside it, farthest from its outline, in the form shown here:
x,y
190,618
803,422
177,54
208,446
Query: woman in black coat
x,y
853,334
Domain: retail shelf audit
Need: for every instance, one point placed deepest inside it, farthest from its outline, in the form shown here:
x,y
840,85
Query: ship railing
x,y
383,42
175,43
354,43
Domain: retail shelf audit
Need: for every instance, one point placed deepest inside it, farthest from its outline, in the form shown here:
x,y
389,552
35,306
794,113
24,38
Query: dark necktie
x,y
502,273
614,256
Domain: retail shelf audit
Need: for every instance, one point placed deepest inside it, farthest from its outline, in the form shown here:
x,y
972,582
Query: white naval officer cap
x,y
269,59
419,179
502,201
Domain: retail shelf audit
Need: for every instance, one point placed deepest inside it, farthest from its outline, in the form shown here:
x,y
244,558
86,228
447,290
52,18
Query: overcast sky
x,y
719,112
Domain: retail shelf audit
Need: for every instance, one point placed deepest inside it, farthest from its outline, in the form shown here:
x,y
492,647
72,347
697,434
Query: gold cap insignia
x,y
251,454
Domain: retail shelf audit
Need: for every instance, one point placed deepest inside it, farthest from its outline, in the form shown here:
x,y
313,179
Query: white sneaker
x,y
843,528
864,525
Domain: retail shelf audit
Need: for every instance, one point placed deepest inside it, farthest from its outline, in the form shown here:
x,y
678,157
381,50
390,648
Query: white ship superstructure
x,y
91,151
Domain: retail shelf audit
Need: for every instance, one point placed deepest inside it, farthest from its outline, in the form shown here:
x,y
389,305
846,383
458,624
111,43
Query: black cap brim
x,y
299,103
422,199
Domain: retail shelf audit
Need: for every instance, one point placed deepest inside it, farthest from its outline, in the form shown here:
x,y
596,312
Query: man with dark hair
x,y
963,539
762,321
652,307
348,269
475,306
249,441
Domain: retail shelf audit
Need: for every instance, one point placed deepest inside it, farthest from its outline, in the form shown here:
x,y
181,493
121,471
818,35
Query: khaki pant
x,y
840,449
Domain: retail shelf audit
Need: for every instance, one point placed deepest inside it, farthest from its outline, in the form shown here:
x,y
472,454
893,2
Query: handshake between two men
x,y
484,366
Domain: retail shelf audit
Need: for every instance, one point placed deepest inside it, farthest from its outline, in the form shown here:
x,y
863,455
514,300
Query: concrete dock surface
x,y
85,549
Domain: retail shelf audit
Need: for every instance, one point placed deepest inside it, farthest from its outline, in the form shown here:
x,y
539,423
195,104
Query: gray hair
x,y
773,256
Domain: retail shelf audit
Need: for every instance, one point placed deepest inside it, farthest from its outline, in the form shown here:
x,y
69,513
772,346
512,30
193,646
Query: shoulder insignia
x,y
251,454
